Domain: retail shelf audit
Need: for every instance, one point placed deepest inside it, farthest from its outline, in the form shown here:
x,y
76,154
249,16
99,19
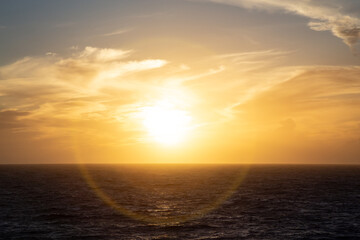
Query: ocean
x,y
179,202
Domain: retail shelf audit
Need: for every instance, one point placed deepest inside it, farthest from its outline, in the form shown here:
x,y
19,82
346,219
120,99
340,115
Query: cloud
x,y
92,97
9,119
46,101
312,117
53,87
254,55
331,15
96,93
116,32
323,101
101,55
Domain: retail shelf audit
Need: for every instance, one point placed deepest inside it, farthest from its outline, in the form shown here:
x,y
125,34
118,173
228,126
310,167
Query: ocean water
x,y
179,202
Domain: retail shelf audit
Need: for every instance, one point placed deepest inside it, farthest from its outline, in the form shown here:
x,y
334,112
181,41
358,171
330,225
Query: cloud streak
x,y
328,15
95,94
79,82
116,32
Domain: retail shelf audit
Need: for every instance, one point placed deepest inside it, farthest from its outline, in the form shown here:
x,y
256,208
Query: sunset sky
x,y
169,81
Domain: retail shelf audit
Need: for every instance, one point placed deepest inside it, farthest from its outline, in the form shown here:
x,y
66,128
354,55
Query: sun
x,y
165,123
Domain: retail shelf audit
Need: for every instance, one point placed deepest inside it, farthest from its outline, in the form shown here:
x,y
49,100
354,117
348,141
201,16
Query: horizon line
x,y
180,163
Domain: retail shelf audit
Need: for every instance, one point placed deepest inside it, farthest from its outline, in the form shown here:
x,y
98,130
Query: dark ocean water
x,y
272,202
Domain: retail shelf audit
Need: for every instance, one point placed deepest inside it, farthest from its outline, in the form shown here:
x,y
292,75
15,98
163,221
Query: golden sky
x,y
240,81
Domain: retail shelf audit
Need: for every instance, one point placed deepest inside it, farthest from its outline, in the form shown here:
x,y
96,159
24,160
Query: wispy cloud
x,y
50,80
323,98
326,15
116,32
98,83
95,94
